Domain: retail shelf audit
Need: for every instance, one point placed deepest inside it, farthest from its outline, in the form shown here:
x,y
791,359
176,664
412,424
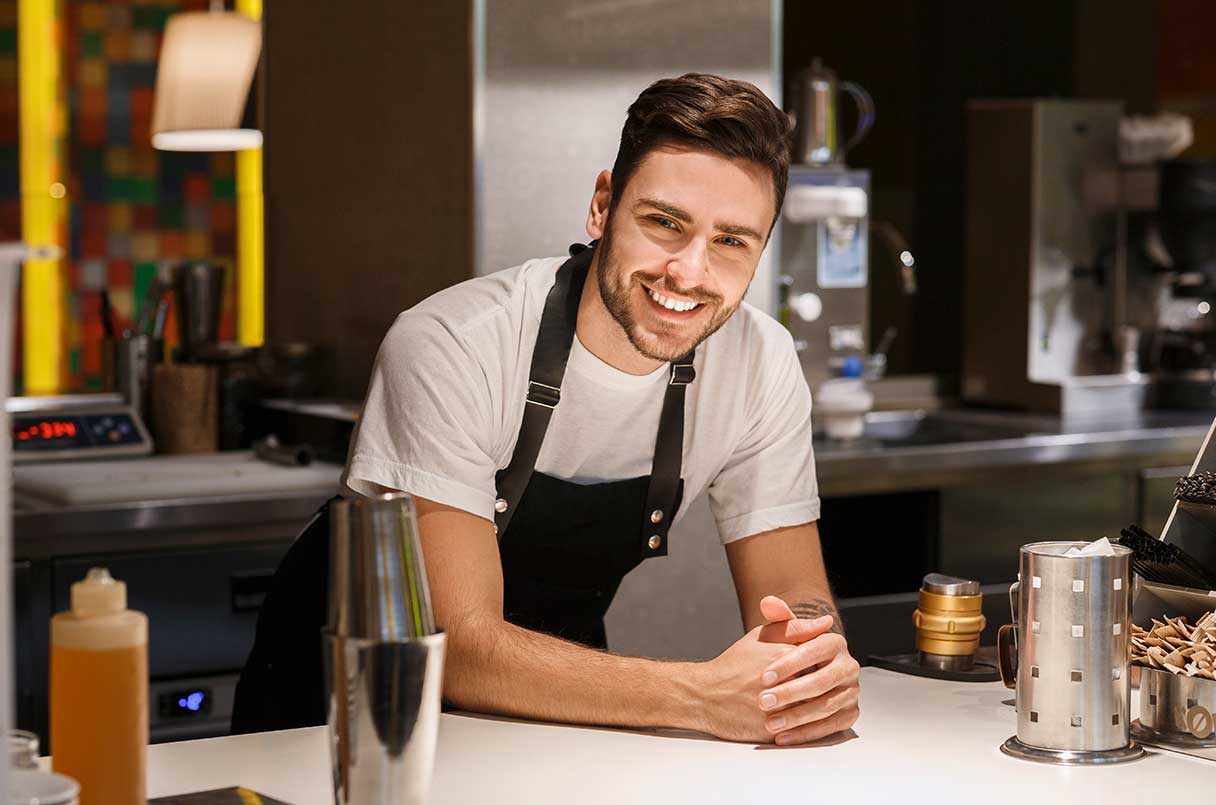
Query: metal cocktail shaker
x,y
383,655
1071,619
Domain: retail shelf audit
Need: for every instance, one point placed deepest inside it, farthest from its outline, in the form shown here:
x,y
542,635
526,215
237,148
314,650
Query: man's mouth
x,y
670,303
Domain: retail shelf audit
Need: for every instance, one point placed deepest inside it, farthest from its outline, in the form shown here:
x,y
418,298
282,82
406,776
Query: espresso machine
x,y
1180,244
823,284
823,296
1048,319
1090,275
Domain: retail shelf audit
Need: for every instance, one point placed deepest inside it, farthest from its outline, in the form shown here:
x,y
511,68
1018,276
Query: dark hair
x,y
733,118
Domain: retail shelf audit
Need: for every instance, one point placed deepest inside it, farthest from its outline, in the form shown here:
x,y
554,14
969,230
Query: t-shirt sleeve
x,y
769,480
426,421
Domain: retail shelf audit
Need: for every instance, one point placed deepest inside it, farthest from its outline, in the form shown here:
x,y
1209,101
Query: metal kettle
x,y
816,118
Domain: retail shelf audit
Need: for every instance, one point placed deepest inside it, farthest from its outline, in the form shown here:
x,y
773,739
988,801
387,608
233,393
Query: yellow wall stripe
x,y
250,249
250,246
42,204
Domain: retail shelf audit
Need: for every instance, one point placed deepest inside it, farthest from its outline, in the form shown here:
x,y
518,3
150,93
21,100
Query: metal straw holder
x,y
1071,619
383,655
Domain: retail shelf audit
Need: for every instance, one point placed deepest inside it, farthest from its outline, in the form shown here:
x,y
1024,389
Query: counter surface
x,y
901,450
919,740
928,449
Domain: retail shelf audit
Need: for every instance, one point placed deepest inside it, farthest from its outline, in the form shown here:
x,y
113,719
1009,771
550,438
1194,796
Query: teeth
x,y
672,304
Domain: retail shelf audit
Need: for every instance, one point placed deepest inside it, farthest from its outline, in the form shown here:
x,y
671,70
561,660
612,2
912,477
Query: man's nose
x,y
688,268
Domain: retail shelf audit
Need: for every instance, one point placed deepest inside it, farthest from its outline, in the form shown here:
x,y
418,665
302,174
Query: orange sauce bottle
x,y
99,693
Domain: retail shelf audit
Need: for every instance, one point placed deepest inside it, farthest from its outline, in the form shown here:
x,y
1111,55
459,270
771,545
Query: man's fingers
x,y
838,721
799,630
842,669
817,651
785,627
775,609
817,709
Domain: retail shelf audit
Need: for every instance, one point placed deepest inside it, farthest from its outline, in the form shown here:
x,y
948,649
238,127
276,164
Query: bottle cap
x,y
98,594
852,367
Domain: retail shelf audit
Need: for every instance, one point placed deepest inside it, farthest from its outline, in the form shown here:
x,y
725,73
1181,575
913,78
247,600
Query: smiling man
x,y
554,419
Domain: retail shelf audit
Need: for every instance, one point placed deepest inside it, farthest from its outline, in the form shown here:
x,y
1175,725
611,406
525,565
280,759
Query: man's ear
x,y
601,200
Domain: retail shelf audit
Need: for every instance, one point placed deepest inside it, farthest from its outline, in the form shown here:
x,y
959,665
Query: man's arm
x,y
787,563
494,666
779,576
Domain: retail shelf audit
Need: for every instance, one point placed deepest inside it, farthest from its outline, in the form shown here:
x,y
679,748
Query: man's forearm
x,y
497,667
812,606
812,601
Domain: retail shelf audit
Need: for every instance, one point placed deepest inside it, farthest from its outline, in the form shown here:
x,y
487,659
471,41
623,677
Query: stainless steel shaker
x,y
199,290
1071,618
383,655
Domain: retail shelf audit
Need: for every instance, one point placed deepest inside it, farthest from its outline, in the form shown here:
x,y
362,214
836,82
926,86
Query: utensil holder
x,y
1072,616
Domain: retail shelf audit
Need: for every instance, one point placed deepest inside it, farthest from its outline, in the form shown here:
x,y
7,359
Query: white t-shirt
x,y
446,400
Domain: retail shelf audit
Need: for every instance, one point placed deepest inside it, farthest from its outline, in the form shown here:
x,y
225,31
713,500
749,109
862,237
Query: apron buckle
x,y
541,394
682,374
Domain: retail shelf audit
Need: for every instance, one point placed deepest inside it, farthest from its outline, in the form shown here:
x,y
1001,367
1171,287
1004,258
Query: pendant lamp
x,y
207,62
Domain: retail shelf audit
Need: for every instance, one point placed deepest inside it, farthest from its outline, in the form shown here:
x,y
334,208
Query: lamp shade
x,y
207,62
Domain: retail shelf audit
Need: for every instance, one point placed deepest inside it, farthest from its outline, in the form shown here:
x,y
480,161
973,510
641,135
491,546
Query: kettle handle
x,y
865,112
1007,641
1007,654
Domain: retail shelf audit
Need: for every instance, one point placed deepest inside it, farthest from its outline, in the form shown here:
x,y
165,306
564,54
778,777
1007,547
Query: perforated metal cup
x,y
1072,616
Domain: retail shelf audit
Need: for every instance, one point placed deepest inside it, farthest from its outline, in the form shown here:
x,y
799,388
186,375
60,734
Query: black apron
x,y
565,547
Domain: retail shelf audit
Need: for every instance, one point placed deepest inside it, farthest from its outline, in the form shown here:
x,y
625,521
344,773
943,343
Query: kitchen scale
x,y
72,427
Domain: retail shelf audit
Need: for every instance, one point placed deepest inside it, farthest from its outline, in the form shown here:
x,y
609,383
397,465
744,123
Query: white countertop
x,y
919,740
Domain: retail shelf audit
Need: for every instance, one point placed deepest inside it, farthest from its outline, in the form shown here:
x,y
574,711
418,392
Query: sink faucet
x,y
876,364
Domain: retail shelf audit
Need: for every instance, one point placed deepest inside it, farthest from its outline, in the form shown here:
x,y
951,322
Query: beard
x,y
670,341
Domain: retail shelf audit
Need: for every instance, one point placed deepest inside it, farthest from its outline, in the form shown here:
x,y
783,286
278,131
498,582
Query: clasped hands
x,y
790,681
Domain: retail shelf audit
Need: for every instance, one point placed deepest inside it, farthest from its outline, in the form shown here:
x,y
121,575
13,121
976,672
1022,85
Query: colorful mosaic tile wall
x,y
134,210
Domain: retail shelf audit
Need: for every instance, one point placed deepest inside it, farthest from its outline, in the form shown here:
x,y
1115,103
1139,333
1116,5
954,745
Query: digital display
x,y
38,433
52,433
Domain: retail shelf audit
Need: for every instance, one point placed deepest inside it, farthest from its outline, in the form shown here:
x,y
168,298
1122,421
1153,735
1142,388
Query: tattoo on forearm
x,y
817,608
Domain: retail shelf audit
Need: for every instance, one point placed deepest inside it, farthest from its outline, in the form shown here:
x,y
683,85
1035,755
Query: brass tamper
x,y
948,621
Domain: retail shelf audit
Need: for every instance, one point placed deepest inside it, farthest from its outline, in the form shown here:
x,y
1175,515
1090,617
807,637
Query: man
x,y
550,419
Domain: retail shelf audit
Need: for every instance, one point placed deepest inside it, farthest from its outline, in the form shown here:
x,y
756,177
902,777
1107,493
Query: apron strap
x,y
549,358
661,498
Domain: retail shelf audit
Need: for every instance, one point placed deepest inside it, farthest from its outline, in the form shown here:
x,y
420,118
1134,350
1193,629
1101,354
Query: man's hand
x,y
730,684
811,690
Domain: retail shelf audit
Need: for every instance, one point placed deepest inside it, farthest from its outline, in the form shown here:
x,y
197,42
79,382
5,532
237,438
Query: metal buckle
x,y
682,374
542,394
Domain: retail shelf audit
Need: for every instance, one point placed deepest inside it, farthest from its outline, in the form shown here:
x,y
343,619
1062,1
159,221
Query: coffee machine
x,y
1180,244
1048,319
1089,277
823,287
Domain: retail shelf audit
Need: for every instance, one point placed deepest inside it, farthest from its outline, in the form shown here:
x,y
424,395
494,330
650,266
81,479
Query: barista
x,y
551,419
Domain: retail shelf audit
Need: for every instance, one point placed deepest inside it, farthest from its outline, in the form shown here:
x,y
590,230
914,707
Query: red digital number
x,y
47,430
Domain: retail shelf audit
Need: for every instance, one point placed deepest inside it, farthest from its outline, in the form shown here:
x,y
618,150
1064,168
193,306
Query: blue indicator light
x,y
193,702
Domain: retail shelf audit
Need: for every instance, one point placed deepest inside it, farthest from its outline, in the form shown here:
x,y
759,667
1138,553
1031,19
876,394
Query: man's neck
x,y
600,333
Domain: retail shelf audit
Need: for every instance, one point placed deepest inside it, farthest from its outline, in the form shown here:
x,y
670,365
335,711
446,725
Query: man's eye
x,y
732,242
666,223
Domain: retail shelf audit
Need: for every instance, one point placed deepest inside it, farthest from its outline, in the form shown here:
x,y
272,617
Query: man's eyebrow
x,y
670,209
681,215
738,229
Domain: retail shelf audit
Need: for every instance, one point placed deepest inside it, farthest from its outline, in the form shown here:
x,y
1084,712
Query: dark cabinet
x,y
202,605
